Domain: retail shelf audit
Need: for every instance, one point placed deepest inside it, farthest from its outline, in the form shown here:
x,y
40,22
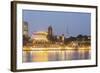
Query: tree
x,y
79,37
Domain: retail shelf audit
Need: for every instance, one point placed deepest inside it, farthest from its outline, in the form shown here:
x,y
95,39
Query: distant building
x,y
89,37
25,28
48,36
40,36
50,31
63,38
25,33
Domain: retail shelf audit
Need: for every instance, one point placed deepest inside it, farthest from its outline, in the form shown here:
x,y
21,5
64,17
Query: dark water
x,y
42,56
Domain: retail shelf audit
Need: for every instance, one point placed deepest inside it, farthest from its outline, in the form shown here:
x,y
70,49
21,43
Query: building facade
x,y
25,28
40,36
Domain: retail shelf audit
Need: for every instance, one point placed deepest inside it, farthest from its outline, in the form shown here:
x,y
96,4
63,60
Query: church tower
x,y
50,33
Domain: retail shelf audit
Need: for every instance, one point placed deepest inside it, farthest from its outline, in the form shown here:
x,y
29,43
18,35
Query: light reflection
x,y
55,55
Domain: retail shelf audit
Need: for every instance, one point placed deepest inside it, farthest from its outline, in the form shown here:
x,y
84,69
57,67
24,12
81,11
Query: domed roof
x,y
40,33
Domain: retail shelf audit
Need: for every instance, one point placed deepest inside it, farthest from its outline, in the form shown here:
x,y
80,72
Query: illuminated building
x,y
40,36
63,38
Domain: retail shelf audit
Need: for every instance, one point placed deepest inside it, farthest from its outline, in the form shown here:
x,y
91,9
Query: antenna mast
x,y
67,31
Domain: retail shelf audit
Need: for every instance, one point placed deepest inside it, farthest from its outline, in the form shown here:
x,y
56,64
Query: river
x,y
55,55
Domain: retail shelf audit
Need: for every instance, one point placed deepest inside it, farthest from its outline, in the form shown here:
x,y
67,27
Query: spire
x,y
67,31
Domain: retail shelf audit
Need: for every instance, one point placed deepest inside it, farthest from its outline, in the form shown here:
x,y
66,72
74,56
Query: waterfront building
x,y
50,31
40,36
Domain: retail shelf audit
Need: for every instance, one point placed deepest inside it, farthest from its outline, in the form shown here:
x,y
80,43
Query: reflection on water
x,y
60,55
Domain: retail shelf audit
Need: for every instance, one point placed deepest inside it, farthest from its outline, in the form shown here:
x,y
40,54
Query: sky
x,y
67,23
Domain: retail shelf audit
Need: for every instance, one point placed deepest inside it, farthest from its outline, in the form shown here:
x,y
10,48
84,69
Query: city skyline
x,y
46,38
61,22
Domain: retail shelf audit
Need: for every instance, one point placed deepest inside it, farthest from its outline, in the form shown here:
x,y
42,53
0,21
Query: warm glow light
x,y
40,36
